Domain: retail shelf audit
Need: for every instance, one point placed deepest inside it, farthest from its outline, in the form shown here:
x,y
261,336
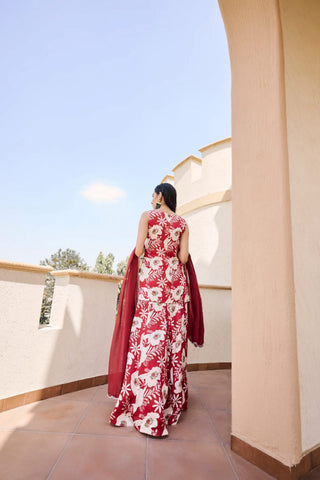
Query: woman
x,y
154,389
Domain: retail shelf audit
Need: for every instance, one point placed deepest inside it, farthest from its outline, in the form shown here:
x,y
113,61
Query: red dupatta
x,y
122,328
195,313
125,314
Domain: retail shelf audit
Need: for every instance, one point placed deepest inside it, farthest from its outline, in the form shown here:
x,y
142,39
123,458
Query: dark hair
x,y
169,194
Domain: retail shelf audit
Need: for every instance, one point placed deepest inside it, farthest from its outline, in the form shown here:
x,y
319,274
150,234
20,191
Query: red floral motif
x,y
154,390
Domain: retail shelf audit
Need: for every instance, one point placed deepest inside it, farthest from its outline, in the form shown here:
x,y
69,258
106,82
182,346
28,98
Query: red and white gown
x,y
154,391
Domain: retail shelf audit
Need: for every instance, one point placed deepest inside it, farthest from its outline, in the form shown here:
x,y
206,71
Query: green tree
x,y
65,260
121,270
104,264
100,266
47,299
122,266
61,260
109,263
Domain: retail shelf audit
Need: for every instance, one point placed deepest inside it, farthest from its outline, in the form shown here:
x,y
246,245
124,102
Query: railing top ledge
x,y
215,287
86,274
25,267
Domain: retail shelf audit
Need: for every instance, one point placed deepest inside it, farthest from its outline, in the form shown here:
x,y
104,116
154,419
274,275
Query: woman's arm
x,y
142,233
183,253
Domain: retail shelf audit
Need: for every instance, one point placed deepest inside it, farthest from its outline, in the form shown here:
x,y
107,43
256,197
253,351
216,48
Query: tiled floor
x,y
69,437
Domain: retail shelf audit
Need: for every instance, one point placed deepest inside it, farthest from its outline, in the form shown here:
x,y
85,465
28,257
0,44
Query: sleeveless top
x,y
162,278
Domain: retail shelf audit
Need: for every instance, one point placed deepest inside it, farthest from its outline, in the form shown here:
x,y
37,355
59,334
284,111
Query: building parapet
x,y
190,158
168,179
85,274
204,149
210,199
25,267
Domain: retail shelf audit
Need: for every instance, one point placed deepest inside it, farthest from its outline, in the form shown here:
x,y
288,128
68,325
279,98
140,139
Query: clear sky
x,y
99,101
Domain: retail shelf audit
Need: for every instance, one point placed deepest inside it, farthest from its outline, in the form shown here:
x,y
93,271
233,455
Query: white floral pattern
x,y
155,262
149,423
156,337
155,231
154,293
175,234
154,390
153,376
144,272
177,292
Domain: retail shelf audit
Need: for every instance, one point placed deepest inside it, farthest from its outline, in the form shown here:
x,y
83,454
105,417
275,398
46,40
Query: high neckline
x,y
166,213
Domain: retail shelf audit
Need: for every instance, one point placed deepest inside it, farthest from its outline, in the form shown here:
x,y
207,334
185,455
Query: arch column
x,y
266,425
275,65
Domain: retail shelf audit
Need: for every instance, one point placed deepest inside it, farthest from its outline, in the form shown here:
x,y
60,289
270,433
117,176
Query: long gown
x,y
154,390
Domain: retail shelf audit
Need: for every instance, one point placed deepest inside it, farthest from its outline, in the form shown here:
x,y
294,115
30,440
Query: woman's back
x,y
154,388
162,277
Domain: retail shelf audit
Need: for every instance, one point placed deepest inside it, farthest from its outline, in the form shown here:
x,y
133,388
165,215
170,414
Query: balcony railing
x,y
74,347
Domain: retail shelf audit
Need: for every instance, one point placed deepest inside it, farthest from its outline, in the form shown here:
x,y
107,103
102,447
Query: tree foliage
x,y
100,266
65,260
71,260
104,264
61,260
121,270
122,266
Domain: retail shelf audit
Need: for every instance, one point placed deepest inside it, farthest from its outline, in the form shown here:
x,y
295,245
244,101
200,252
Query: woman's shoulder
x,y
150,216
146,214
182,221
159,215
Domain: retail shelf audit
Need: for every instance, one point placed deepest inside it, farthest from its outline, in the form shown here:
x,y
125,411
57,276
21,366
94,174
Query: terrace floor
x,y
68,437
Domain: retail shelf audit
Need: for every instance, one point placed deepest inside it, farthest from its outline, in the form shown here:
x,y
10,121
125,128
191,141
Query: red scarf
x,y
126,311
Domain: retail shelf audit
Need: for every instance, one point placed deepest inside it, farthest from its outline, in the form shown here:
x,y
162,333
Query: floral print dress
x,y
154,389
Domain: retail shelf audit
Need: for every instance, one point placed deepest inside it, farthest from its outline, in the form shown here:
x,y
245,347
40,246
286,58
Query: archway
x,y
276,174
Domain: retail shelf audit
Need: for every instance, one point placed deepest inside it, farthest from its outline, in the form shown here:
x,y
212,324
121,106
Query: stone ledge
x,y
205,201
215,287
86,274
26,267
224,140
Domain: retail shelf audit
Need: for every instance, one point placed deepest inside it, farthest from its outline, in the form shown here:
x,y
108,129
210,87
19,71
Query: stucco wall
x,y
204,199
210,242
194,180
301,36
76,344
265,384
216,167
216,305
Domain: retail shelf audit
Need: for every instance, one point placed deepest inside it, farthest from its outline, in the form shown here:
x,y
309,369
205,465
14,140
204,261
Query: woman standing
x,y
154,389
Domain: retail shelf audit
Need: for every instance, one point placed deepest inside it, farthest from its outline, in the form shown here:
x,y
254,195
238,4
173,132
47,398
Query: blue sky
x,y
100,100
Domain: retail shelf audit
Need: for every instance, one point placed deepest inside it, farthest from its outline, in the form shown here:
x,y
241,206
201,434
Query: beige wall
x,y
210,242
76,344
209,218
204,200
216,304
265,384
21,291
212,173
301,35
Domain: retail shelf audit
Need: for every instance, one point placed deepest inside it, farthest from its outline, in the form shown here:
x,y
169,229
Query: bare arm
x,y
183,253
142,233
